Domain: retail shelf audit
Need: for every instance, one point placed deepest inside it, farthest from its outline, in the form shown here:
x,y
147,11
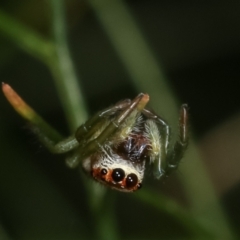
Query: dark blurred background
x,y
197,43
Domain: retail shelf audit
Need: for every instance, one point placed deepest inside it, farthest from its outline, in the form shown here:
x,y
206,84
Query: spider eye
x,y
131,180
104,171
118,174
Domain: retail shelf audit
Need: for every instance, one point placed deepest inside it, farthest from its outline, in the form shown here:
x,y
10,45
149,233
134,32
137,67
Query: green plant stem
x,y
26,39
72,100
3,234
176,212
65,77
147,76
56,56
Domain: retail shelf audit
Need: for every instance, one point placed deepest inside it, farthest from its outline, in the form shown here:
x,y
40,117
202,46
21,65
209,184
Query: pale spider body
x,y
114,145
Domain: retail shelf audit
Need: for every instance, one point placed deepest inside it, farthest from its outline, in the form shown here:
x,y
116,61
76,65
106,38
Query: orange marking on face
x,y
106,178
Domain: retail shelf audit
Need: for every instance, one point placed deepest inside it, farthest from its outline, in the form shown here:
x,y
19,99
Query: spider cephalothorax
x,y
114,145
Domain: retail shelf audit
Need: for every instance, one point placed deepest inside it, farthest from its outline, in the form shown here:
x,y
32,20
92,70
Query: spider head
x,y
115,172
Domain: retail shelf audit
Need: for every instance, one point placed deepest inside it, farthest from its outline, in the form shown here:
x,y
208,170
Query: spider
x,y
114,145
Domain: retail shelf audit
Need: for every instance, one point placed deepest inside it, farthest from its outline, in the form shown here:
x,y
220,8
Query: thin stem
x,y
65,77
26,38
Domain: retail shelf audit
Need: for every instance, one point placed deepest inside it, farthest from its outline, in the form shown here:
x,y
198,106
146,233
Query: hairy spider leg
x,y
168,160
137,104
159,163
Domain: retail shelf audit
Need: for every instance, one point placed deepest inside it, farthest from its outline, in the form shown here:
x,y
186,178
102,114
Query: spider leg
x,y
159,163
113,125
73,159
176,154
63,146
71,142
91,129
100,119
168,160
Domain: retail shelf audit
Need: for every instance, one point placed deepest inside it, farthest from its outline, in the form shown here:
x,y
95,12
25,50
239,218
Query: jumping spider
x,y
114,145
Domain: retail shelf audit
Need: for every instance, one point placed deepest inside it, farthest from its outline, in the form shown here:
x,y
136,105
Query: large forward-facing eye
x,y
131,180
118,174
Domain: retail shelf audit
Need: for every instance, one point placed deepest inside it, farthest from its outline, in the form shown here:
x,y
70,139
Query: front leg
x,y
115,124
63,146
91,128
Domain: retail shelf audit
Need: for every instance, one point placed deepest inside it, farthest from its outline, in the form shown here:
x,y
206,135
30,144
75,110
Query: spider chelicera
x,y
115,144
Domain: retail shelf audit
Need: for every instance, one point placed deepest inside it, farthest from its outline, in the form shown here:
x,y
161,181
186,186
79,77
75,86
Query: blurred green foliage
x,y
35,206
